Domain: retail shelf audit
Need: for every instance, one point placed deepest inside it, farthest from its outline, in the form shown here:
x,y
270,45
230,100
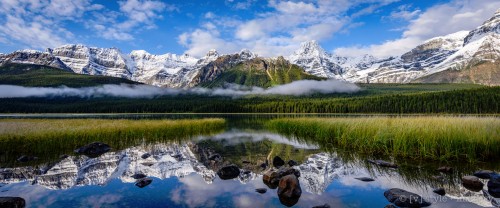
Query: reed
x,y
426,137
40,137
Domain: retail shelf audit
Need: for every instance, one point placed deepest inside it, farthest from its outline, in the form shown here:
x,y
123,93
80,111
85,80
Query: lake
x,y
184,170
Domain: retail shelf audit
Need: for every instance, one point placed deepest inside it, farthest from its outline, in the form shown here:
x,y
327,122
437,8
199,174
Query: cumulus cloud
x,y
438,20
280,30
297,88
39,24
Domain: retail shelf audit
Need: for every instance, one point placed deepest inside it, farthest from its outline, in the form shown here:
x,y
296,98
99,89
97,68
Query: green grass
x,y
44,76
435,138
41,137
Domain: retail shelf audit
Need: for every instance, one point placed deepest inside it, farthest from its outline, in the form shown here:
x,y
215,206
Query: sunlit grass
x,y
439,138
40,137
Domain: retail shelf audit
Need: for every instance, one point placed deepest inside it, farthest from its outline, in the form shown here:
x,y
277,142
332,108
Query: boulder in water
x,y
93,149
402,198
228,172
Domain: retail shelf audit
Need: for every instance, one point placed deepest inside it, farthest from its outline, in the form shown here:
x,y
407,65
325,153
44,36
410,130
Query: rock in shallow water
x,y
138,176
278,162
228,172
472,183
145,155
289,190
322,206
261,190
365,179
93,149
143,182
383,163
402,198
25,158
12,202
494,185
484,174
439,191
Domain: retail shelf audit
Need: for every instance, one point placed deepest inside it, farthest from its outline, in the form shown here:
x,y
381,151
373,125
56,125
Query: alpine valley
x,y
461,57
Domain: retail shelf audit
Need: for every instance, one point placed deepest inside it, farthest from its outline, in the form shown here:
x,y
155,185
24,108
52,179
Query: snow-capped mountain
x,y
429,62
315,60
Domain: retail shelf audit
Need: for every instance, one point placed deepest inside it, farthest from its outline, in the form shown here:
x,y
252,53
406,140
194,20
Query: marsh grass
x,y
39,137
436,138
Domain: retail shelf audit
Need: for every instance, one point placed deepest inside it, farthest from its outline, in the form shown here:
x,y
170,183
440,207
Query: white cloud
x,y
282,29
404,12
438,20
39,24
209,15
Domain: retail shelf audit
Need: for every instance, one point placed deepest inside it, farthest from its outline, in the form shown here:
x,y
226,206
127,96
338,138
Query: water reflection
x,y
184,175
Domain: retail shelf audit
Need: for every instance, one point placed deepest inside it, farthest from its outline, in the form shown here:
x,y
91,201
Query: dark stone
x,y
145,155
143,182
12,202
263,165
261,190
278,162
439,191
365,179
472,183
25,158
62,157
283,171
390,206
215,157
228,172
292,163
93,149
148,164
402,198
483,174
445,169
138,176
494,185
246,172
177,156
322,206
289,190
495,201
245,162
383,163
271,179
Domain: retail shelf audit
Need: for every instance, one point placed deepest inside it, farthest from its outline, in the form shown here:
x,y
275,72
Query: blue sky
x,y
269,28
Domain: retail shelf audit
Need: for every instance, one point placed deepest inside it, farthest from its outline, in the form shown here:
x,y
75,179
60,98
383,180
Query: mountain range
x,y
461,57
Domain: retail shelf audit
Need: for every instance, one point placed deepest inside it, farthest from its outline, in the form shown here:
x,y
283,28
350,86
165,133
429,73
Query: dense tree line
x,y
470,101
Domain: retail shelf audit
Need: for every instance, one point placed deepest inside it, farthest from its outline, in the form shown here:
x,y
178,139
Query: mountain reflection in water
x,y
184,176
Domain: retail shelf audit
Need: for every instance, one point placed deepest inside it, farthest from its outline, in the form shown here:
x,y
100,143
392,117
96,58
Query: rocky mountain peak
x,y
490,26
311,48
247,54
212,53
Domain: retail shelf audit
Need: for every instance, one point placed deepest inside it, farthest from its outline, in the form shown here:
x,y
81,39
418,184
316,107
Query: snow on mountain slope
x,y
315,60
32,57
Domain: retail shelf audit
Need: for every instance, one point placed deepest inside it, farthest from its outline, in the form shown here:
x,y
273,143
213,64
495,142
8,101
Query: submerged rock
x,y
402,198
365,179
145,155
138,176
93,149
472,183
271,179
292,163
143,182
283,171
278,162
445,169
25,158
494,185
261,190
228,172
390,206
495,201
12,202
383,163
484,174
322,206
439,191
289,190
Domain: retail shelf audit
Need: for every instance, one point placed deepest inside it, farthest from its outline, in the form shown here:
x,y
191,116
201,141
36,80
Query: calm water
x,y
183,176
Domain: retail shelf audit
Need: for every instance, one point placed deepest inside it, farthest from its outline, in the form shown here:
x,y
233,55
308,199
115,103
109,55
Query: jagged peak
x,y
212,53
310,48
247,54
28,51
